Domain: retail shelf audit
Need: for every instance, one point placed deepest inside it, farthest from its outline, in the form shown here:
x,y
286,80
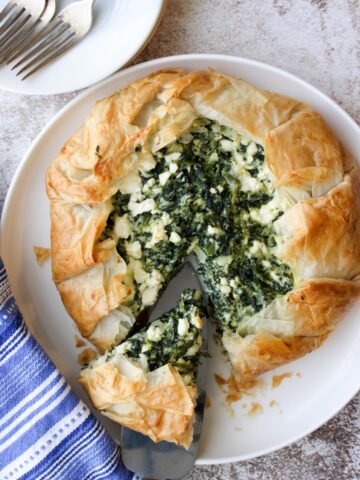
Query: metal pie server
x,y
165,460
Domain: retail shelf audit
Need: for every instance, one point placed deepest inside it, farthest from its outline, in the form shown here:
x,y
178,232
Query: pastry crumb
x,y
273,403
207,402
238,429
298,374
277,379
228,408
79,342
42,254
87,355
219,379
255,409
233,389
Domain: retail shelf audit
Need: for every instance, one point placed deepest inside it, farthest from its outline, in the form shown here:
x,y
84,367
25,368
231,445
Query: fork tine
x,y
54,56
24,36
14,29
52,36
33,40
48,51
12,18
6,10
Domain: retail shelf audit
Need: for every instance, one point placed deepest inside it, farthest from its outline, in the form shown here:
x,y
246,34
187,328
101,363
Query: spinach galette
x,y
252,183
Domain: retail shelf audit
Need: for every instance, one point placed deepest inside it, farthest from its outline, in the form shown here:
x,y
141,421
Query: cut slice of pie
x,y
148,381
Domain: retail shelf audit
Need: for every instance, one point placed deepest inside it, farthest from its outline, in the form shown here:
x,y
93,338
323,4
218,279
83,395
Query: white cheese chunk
x,y
214,230
251,149
122,226
175,237
140,274
225,289
183,327
172,156
145,206
192,350
158,234
173,167
166,219
155,333
227,145
156,279
149,296
133,249
250,184
164,177
196,321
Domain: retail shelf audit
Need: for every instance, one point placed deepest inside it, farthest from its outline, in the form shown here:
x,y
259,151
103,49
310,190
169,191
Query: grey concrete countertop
x,y
318,40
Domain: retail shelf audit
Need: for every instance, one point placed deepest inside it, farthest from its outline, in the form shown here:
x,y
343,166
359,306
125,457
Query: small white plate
x,y
329,377
120,29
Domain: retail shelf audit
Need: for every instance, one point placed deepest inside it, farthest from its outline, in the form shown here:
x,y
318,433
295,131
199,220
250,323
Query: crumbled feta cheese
x,y
183,327
140,274
172,156
220,188
166,219
173,167
145,206
226,145
233,283
150,183
158,234
122,226
155,278
175,237
214,230
134,249
164,177
145,348
143,361
225,289
149,296
250,184
223,281
192,350
155,333
251,149
196,321
121,349
212,190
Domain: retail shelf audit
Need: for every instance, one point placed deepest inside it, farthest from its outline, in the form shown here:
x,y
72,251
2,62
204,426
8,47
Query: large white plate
x,y
120,29
329,376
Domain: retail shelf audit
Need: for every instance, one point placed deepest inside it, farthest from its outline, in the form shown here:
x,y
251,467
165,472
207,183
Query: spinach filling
x,y
207,193
175,338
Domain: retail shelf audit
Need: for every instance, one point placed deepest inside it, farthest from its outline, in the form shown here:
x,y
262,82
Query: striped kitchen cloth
x,y
46,432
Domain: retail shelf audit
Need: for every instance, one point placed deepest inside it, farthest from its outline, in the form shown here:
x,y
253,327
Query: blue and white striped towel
x,y
46,432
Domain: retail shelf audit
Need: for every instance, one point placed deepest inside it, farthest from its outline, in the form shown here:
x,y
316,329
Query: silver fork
x,y
62,33
17,15
12,50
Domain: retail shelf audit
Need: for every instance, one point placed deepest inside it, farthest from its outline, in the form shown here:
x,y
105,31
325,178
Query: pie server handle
x,y
165,460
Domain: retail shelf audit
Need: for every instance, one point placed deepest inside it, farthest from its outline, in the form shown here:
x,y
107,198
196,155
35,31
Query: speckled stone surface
x,y
318,40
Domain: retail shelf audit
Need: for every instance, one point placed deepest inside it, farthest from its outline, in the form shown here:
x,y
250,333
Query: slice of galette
x,y
148,381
